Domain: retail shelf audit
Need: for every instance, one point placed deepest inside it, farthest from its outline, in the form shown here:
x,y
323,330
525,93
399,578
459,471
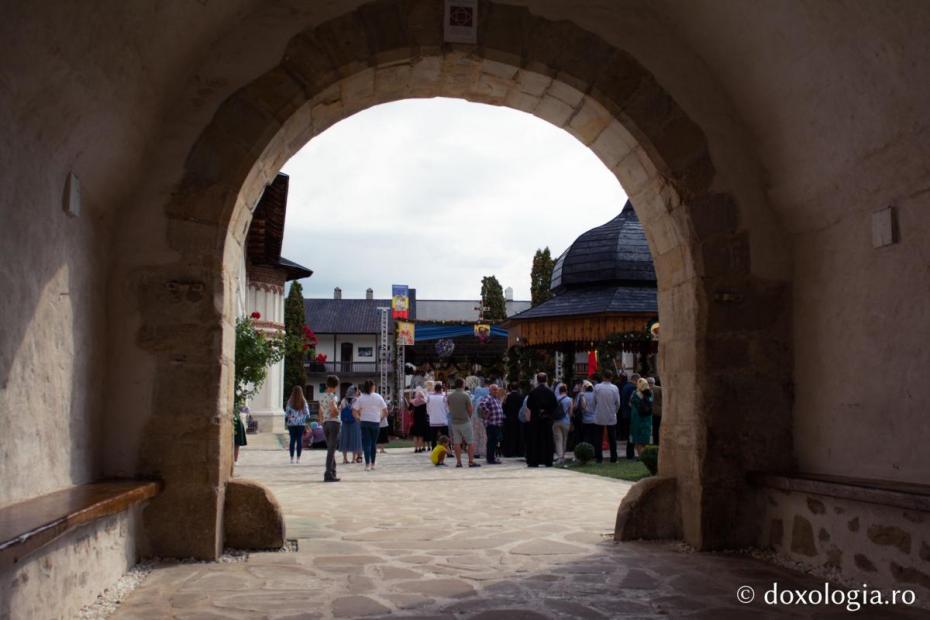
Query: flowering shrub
x,y
255,352
321,358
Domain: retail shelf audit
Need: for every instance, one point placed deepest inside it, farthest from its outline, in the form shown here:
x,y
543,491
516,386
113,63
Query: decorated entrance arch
x,y
384,51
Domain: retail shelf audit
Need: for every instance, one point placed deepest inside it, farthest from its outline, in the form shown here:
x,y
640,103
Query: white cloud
x,y
436,194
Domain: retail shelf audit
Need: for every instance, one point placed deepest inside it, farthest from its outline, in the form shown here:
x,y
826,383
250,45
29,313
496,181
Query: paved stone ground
x,y
409,540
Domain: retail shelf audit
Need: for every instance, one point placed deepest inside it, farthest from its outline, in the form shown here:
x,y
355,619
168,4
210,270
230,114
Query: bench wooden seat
x,y
29,525
906,495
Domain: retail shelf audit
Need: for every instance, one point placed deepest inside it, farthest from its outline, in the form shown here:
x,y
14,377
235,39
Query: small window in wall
x,y
322,388
366,351
308,392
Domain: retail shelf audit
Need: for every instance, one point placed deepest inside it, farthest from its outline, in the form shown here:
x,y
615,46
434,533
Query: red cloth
x,y
592,362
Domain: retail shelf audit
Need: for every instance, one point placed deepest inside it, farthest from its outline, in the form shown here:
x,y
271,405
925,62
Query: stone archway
x,y
725,352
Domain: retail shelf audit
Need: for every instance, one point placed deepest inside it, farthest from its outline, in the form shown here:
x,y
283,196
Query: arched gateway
x,y
725,353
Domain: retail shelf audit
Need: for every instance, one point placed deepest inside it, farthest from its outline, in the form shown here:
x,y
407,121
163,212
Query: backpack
x,y
559,414
346,415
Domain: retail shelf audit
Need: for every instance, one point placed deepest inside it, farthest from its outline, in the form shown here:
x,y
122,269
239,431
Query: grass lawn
x,y
397,442
621,470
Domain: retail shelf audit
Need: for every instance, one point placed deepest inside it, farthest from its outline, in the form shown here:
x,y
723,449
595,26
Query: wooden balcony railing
x,y
344,368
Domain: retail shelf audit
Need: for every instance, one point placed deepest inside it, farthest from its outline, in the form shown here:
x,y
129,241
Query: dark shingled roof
x,y
349,316
607,270
615,253
293,270
595,300
266,231
344,316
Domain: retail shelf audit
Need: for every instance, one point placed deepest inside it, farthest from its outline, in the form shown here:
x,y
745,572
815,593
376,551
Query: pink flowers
x,y
309,336
256,315
321,358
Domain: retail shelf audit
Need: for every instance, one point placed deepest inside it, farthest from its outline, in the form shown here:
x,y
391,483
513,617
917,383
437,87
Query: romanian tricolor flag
x,y
400,301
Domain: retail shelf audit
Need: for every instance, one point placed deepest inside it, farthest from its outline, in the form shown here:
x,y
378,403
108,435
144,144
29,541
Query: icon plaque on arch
x,y
460,22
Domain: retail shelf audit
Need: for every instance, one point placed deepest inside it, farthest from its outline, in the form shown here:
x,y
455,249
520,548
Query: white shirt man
x,y
606,403
437,410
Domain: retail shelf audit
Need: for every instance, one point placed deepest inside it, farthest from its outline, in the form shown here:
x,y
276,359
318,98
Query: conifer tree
x,y
541,276
492,298
294,327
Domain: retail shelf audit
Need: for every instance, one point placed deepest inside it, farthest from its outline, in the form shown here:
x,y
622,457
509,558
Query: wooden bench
x,y
32,524
909,496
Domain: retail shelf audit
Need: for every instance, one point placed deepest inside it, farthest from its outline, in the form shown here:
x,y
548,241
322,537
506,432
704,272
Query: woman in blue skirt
x,y
350,435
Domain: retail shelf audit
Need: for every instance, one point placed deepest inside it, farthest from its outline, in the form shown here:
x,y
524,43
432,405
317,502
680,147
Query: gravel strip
x,y
109,600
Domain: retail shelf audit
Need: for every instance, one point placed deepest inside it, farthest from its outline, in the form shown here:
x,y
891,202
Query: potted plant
x,y
318,364
650,458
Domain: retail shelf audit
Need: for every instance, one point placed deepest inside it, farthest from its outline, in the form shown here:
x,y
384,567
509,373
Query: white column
x,y
266,406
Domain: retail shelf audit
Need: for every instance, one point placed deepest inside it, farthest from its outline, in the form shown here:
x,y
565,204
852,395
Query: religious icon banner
x,y
400,301
406,333
483,332
460,21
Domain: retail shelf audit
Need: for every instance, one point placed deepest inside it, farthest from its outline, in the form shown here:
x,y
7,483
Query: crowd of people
x,y
539,422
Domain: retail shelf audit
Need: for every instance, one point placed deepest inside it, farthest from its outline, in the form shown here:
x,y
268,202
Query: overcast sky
x,y
436,194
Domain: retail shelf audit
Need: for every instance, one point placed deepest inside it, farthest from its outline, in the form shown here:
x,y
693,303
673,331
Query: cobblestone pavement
x,y
409,540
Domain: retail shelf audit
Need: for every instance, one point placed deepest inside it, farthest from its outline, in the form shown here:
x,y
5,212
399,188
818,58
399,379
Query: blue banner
x,y
438,332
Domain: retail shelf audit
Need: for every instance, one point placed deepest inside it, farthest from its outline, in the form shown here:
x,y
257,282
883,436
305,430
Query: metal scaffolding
x,y
399,372
384,350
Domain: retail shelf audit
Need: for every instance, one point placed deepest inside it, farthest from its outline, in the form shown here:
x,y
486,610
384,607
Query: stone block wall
x,y
59,579
853,542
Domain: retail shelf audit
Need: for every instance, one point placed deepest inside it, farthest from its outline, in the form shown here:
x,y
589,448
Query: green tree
x,y
524,362
541,276
492,298
299,345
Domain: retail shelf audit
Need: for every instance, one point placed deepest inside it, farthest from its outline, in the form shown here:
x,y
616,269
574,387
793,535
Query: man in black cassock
x,y
512,443
541,404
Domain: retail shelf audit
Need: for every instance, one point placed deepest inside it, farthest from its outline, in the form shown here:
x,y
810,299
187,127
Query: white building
x,y
349,332
261,289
